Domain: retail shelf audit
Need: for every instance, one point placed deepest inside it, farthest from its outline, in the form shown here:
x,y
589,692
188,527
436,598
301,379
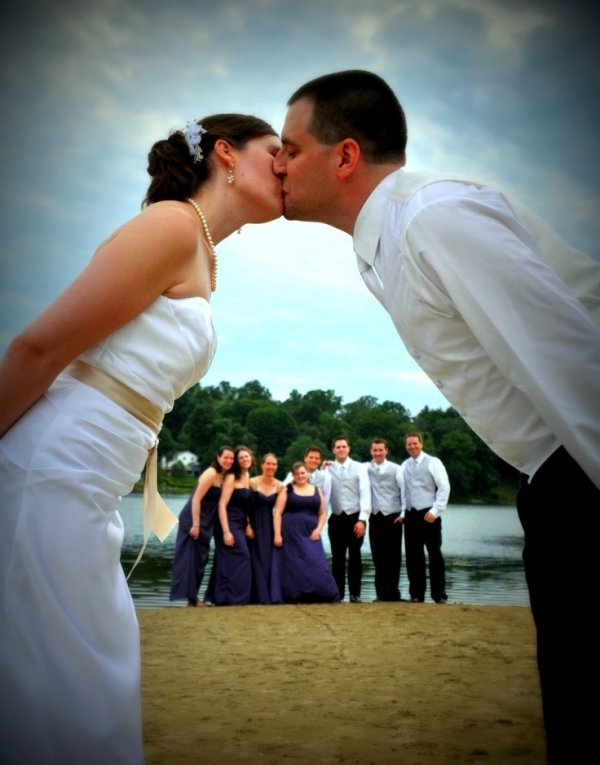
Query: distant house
x,y
189,460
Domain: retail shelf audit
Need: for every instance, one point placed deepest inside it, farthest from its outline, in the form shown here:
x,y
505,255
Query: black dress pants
x,y
385,539
420,535
344,541
561,559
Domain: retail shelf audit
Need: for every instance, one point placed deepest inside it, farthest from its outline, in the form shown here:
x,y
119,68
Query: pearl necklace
x,y
214,262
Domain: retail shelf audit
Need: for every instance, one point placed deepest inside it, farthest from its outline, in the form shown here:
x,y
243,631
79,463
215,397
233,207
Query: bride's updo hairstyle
x,y
176,173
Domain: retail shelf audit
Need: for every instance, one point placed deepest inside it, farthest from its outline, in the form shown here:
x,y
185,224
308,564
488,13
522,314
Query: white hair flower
x,y
193,133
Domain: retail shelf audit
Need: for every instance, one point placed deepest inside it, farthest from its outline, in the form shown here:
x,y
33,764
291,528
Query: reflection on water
x,y
481,544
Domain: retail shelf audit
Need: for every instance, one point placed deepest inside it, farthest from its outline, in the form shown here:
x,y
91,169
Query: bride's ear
x,y
224,151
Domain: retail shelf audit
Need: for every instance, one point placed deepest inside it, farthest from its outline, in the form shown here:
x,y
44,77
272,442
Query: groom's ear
x,y
348,155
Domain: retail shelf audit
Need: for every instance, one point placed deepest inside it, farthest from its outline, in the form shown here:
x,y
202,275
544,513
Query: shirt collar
x,y
367,228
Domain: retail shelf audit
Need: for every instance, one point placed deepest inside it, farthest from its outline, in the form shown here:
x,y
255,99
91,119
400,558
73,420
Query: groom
x,y
500,313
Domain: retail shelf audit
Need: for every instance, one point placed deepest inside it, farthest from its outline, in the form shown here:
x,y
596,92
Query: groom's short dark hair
x,y
360,105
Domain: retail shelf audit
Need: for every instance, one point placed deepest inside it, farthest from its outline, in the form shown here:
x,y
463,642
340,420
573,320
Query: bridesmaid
x,y
196,527
232,567
300,573
266,488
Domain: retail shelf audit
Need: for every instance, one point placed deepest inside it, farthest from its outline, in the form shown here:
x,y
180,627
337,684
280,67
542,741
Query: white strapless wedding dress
x,y
69,652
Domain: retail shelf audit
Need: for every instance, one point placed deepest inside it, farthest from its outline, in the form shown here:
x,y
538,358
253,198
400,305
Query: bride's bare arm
x,y
154,253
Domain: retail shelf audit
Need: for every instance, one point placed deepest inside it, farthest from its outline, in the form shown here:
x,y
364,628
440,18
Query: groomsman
x,y
385,522
350,510
425,497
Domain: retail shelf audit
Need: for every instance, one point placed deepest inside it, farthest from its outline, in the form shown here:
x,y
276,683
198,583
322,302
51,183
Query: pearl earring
x,y
230,178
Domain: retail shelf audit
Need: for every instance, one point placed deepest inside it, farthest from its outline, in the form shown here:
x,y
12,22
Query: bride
x,y
84,388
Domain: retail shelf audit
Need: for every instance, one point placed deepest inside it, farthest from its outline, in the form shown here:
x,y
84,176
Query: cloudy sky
x,y
502,89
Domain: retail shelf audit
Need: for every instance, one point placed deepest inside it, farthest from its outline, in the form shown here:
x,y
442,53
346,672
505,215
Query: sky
x,y
502,90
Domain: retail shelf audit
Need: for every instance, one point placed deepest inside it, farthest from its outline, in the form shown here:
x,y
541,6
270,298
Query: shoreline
x,y
362,684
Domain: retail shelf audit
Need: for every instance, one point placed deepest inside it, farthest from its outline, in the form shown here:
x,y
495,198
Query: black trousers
x,y
385,539
420,535
344,541
560,559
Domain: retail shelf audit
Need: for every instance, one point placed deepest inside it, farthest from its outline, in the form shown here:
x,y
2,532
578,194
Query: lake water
x,y
482,546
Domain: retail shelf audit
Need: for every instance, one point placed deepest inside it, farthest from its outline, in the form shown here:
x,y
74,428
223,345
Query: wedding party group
x,y
268,546
267,532
494,306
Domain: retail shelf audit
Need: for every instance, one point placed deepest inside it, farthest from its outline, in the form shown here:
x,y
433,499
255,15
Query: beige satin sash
x,y
158,517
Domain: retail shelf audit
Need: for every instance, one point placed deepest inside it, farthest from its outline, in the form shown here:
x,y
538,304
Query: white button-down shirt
x,y
511,347
430,488
386,487
350,488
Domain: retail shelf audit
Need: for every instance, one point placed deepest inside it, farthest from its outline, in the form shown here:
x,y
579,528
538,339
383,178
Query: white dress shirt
x,y
350,488
386,487
428,488
471,293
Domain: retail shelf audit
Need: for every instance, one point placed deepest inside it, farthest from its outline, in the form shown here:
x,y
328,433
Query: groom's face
x,y
305,167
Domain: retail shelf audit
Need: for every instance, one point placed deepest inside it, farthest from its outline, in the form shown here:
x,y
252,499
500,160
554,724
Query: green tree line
x,y
207,417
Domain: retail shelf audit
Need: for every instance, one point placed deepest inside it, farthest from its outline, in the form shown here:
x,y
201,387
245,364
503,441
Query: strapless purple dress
x,y
261,547
191,555
232,567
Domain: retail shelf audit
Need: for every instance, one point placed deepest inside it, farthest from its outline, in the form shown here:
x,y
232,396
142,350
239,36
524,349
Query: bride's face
x,y
255,179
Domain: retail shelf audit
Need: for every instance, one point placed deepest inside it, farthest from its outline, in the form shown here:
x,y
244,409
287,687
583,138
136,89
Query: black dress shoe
x,y
417,600
442,601
355,599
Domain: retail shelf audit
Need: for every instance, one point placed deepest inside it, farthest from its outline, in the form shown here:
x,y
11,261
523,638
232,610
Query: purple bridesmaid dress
x,y
300,573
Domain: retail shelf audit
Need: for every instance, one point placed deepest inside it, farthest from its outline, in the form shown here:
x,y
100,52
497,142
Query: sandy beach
x,y
359,684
